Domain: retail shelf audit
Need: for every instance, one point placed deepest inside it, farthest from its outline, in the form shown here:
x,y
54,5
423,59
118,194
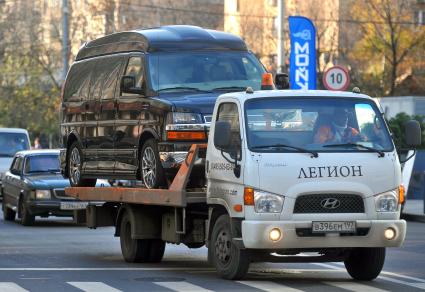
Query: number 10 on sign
x,y
336,78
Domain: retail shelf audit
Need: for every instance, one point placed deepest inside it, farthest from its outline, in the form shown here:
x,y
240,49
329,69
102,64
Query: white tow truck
x,y
292,176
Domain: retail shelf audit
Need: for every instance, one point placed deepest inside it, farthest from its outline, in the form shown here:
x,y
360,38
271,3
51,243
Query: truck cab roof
x,y
292,94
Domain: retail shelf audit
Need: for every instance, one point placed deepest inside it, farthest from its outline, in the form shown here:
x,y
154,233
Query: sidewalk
x,y
414,210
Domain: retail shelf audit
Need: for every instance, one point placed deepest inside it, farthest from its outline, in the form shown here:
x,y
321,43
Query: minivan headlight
x,y
184,118
42,194
387,202
267,203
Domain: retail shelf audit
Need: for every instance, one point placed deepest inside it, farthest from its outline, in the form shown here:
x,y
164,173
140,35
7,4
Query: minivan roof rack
x,y
164,38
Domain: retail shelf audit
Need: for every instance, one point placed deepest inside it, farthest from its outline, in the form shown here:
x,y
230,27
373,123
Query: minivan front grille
x,y
207,118
329,203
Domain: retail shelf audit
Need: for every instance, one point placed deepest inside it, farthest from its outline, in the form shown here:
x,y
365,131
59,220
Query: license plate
x,y
334,226
73,205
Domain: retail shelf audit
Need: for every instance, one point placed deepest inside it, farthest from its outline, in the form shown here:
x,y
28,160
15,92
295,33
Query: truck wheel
x,y
8,214
75,163
365,264
230,262
157,248
133,250
150,165
26,218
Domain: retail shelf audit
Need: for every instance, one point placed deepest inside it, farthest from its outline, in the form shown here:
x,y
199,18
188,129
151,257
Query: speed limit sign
x,y
336,78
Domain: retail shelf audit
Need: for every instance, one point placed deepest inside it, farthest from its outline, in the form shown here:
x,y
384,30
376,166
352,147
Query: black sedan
x,y
34,186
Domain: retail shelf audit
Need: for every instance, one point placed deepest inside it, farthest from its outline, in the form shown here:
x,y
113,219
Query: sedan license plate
x,y
334,226
73,205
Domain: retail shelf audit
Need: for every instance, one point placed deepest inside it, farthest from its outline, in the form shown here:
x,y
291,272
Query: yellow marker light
x,y
275,234
389,233
248,197
401,192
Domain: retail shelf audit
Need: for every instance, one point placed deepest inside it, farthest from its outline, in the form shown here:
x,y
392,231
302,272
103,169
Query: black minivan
x,y
133,102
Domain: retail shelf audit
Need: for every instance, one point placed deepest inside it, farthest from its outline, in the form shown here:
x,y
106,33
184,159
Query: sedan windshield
x,y
10,143
316,125
42,163
204,71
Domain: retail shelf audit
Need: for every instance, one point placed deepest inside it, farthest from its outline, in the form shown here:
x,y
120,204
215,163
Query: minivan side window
x,y
135,68
78,81
229,112
105,77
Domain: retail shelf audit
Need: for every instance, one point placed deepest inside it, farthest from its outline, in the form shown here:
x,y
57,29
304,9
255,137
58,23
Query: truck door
x,y
226,187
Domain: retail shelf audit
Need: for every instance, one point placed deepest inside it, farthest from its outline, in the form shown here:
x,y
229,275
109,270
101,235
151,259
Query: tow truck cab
x,y
291,172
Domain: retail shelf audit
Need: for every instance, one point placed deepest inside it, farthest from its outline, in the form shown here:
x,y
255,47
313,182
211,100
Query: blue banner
x,y
302,65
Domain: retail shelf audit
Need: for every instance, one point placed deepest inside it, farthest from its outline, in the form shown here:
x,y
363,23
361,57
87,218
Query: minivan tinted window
x,y
204,70
10,143
105,77
78,81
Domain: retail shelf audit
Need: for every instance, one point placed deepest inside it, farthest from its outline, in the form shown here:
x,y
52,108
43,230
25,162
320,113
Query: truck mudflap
x,y
298,234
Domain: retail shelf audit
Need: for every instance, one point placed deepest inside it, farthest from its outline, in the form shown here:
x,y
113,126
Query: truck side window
x,y
229,112
135,68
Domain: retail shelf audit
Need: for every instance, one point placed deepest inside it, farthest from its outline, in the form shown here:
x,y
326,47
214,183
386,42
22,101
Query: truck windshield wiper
x,y
302,150
236,88
182,88
381,153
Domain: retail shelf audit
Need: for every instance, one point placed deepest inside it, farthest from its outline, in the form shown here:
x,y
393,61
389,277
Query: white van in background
x,y
12,140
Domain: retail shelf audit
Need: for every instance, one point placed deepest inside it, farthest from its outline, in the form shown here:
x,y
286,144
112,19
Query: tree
x,y
390,37
396,125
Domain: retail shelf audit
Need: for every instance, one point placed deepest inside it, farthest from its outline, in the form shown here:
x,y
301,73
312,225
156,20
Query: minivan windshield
x,y
204,71
10,143
315,125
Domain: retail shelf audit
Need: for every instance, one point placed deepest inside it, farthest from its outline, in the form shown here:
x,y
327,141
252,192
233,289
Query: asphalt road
x,y
56,255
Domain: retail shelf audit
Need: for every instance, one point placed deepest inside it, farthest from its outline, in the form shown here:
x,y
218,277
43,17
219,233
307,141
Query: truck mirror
x,y
413,134
128,85
281,81
222,135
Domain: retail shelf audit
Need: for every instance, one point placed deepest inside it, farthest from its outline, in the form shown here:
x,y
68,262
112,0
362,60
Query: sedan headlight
x,y
387,202
42,194
267,203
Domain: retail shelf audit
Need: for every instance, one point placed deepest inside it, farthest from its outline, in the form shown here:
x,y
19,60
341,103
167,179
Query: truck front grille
x,y
329,203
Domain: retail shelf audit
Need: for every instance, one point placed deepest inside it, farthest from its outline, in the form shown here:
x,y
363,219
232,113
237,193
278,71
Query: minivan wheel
x,y
150,165
74,163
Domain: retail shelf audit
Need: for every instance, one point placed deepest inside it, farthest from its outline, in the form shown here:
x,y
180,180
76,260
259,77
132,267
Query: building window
x,y
420,17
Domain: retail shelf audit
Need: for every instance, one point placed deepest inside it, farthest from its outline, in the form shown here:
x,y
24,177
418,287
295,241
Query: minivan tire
x,y
365,264
151,171
74,164
229,261
8,214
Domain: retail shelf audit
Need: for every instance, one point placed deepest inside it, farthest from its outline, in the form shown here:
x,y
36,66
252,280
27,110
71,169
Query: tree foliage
x,y
396,125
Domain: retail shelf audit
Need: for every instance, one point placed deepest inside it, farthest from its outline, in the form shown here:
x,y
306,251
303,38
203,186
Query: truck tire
x,y
133,250
27,219
8,214
157,248
74,164
229,261
150,166
365,264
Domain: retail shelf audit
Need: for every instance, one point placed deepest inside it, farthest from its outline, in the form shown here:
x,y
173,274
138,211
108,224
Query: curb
x,y
413,217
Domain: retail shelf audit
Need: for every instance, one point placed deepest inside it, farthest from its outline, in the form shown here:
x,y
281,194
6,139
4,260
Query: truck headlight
x,y
267,203
42,194
387,202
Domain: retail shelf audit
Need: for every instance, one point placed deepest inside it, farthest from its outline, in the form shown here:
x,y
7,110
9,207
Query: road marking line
x,y
93,286
11,287
181,286
108,269
352,286
268,286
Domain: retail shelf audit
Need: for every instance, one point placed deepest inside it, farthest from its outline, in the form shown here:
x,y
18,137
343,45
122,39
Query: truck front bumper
x,y
297,234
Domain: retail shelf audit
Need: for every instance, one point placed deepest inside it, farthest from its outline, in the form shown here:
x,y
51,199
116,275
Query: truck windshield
x,y
316,125
10,143
204,71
